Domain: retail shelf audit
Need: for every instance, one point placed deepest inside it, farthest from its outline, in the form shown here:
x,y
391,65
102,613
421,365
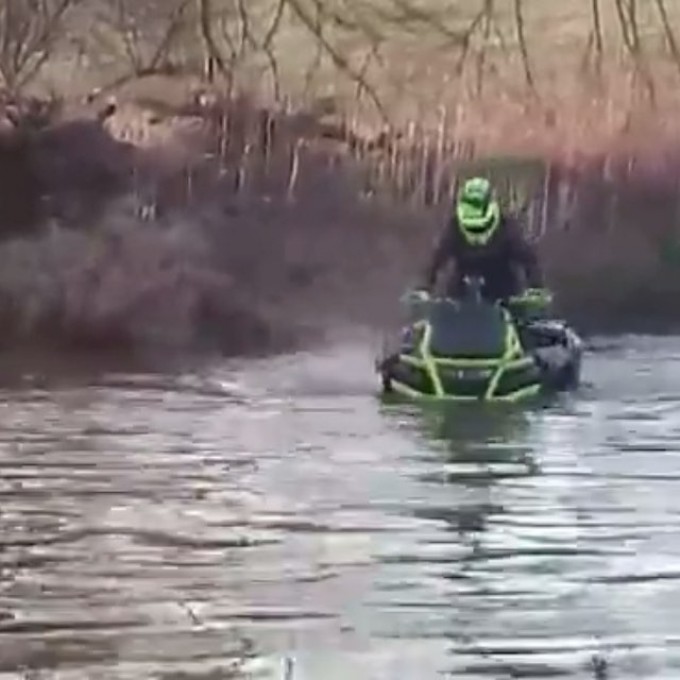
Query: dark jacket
x,y
499,262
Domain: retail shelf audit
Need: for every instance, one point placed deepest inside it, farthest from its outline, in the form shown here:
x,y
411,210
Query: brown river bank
x,y
232,228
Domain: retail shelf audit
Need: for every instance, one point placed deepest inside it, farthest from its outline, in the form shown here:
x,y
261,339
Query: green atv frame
x,y
512,376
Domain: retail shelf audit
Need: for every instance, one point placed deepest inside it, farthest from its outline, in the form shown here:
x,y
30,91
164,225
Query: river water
x,y
275,516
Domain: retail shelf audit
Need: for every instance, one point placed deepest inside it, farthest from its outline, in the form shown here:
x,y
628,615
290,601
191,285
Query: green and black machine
x,y
470,349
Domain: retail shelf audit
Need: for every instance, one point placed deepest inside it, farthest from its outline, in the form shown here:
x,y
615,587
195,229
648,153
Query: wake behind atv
x,y
470,349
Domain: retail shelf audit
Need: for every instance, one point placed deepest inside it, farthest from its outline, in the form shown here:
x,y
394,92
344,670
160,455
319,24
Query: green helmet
x,y
477,211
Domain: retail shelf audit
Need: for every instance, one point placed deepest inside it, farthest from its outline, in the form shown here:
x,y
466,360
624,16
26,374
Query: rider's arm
x,y
525,255
444,250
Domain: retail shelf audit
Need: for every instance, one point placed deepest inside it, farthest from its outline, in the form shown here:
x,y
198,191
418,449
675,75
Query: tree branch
x,y
340,62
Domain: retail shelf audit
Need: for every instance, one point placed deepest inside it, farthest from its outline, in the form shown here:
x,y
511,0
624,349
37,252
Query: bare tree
x,y
339,60
669,33
141,35
212,56
29,31
627,12
488,9
595,46
523,49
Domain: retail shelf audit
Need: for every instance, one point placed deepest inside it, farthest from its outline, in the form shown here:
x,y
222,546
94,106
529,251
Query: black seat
x,y
467,330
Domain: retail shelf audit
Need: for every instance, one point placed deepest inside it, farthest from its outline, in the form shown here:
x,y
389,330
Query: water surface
x,y
168,527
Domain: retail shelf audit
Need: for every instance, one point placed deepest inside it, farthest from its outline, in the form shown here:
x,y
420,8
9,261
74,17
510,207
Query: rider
x,y
484,243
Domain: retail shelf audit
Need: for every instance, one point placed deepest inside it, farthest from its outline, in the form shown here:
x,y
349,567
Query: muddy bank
x,y
137,230
83,268
224,227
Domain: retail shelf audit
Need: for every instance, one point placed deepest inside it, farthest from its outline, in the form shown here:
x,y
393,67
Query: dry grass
x,y
512,74
453,88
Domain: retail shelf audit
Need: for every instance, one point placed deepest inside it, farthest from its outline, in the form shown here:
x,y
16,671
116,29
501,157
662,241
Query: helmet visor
x,y
478,217
478,202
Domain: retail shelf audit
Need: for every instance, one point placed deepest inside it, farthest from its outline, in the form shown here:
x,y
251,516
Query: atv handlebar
x,y
532,297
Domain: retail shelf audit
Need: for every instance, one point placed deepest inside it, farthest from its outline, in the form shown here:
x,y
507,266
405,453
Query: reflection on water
x,y
534,500
157,527
472,449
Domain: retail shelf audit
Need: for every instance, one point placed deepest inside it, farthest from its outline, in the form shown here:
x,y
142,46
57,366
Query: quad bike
x,y
470,349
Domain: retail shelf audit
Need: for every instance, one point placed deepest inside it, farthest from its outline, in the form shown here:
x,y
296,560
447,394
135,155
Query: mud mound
x,y
80,268
52,167
125,286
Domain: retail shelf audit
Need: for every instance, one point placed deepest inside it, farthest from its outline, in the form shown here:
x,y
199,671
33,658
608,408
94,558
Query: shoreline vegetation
x,y
196,171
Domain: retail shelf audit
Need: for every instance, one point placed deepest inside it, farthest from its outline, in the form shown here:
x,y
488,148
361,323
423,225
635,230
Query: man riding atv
x,y
485,244
466,350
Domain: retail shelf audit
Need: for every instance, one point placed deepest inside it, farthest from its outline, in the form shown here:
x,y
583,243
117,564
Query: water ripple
x,y
186,527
